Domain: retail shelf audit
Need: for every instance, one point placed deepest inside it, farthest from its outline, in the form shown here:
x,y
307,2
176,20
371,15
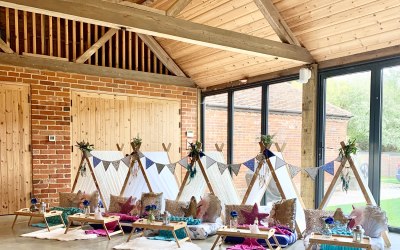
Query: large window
x,y
390,156
365,99
347,118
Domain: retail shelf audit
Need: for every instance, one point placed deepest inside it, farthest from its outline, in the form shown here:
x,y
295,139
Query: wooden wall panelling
x,y
106,119
16,28
15,158
7,15
50,36
42,36
25,14
34,33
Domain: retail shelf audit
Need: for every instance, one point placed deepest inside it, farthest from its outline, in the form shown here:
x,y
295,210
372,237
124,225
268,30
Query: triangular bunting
x,y
160,167
201,154
312,172
96,161
222,167
250,164
235,168
171,167
116,164
209,161
329,167
268,153
127,160
183,162
279,163
293,170
106,164
149,163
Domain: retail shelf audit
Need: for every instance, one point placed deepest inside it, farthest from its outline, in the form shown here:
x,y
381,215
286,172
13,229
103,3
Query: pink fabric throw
x,y
248,244
101,232
125,217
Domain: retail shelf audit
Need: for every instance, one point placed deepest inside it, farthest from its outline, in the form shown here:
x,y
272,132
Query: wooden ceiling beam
x,y
116,16
96,46
276,21
5,47
177,7
86,69
142,7
161,54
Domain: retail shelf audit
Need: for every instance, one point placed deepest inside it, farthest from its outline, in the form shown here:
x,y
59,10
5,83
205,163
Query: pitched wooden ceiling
x,y
329,29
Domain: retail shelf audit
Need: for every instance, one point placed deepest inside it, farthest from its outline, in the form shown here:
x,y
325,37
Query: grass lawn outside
x,y
391,180
390,206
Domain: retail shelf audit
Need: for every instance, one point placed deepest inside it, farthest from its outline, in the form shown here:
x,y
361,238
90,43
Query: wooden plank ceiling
x,y
329,29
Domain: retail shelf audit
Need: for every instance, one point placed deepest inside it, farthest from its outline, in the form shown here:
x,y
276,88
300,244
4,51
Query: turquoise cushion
x,y
188,220
55,220
330,247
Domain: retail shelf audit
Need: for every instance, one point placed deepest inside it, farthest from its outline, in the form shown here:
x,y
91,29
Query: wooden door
x,y
15,157
105,120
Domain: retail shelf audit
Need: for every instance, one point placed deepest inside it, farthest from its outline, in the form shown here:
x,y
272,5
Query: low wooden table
x,y
245,233
339,240
83,218
158,225
27,212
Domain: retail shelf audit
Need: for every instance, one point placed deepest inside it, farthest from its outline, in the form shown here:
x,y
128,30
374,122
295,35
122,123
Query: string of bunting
x,y
235,168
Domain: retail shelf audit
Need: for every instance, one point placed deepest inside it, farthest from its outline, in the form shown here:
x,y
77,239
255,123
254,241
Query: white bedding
x,y
204,230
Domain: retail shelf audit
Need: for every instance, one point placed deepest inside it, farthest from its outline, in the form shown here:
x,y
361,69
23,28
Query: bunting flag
x,y
106,164
260,157
222,167
268,153
293,170
149,163
183,162
235,168
116,164
250,164
329,168
160,167
279,163
127,160
171,167
209,161
141,155
201,154
339,158
312,172
96,161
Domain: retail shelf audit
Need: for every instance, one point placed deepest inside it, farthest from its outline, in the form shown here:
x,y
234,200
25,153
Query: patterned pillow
x,y
191,209
238,209
150,199
374,221
250,216
283,213
314,220
114,203
65,199
175,208
214,208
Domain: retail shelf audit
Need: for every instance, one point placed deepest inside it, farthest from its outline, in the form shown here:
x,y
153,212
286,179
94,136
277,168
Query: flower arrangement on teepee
x,y
267,140
346,151
86,148
194,154
136,143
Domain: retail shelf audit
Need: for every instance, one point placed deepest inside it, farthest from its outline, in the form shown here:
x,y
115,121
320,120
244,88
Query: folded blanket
x,y
55,220
101,232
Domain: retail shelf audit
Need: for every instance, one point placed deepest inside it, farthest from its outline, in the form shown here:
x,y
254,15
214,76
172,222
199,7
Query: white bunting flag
x,y
183,162
312,172
293,170
171,167
279,163
209,161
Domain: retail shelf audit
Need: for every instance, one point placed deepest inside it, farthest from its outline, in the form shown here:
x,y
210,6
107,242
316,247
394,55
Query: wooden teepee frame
x,y
135,158
363,186
186,178
86,158
274,177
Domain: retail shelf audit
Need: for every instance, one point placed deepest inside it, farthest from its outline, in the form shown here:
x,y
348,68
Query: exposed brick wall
x,y
247,133
50,115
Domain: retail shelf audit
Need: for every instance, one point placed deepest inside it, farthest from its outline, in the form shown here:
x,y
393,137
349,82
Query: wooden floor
x,y
9,239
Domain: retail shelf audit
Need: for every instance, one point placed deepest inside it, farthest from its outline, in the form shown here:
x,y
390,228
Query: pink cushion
x,y
253,214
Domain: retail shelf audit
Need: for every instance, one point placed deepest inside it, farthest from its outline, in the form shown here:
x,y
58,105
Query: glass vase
x,y
86,210
233,223
326,232
150,218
